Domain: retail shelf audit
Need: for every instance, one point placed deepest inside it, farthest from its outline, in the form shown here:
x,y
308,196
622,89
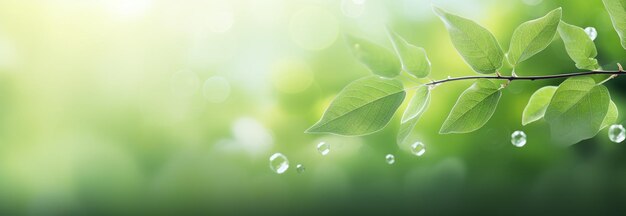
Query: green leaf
x,y
417,104
611,116
477,45
363,107
413,112
537,105
617,12
378,59
474,108
414,59
577,110
533,36
579,46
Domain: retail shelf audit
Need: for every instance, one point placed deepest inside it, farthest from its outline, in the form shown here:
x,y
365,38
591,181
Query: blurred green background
x,y
174,107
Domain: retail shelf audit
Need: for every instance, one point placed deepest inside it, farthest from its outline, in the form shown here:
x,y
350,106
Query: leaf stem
x,y
531,78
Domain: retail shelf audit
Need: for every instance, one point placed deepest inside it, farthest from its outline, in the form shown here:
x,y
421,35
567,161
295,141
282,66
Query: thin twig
x,y
531,78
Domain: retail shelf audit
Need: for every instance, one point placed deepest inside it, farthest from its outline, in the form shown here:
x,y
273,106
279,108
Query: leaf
x,y
378,59
617,12
577,110
475,44
579,46
417,104
414,59
413,112
537,105
363,107
533,36
611,116
474,108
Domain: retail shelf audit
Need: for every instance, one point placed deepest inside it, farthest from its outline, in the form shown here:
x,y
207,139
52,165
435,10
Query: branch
x,y
531,78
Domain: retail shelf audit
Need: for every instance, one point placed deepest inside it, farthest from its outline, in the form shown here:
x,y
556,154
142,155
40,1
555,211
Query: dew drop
x,y
518,138
591,31
617,133
323,148
279,163
390,159
418,148
300,168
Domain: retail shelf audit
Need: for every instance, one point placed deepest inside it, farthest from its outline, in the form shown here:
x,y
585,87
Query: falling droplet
x,y
300,168
617,133
279,163
418,148
518,138
323,148
591,31
390,159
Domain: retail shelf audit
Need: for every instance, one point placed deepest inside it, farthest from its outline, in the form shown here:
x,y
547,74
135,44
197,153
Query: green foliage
x,y
474,108
414,59
378,59
537,105
477,45
533,36
413,112
579,46
617,12
611,116
577,110
364,106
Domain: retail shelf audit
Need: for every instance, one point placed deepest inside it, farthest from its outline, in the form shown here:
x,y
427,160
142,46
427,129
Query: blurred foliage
x,y
105,109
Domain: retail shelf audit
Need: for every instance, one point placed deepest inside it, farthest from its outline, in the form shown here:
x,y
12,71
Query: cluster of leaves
x,y
575,110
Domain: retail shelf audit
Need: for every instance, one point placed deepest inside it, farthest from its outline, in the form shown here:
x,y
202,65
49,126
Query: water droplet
x,y
518,138
390,159
418,148
591,31
357,46
617,133
300,168
279,163
323,148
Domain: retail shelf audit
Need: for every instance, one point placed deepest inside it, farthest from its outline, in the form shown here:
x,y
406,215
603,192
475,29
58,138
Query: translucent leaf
x,y
417,104
533,36
477,45
474,108
378,59
617,12
413,112
414,59
611,116
537,105
363,107
577,110
579,46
